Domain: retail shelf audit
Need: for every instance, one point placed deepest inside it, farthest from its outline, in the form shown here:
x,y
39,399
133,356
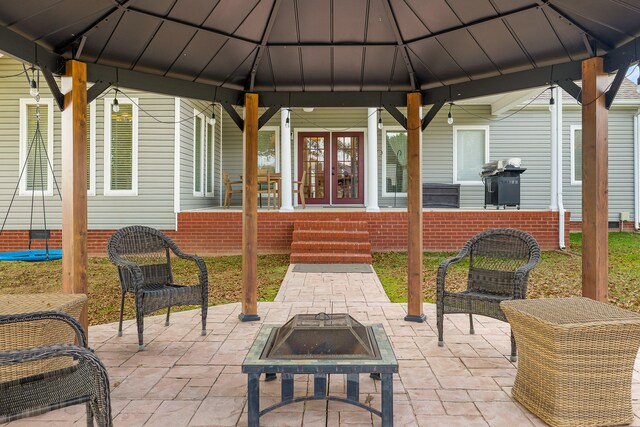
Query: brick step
x,y
330,236
331,225
324,258
331,247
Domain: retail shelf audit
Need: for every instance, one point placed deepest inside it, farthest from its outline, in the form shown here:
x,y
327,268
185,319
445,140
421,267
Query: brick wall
x,y
576,227
214,233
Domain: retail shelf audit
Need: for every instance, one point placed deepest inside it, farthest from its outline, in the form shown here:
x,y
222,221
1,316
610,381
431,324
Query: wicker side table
x,y
37,333
576,360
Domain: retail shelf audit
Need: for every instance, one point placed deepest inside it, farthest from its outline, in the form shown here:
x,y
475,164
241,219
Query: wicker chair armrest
x,y
13,357
444,266
48,315
202,267
133,269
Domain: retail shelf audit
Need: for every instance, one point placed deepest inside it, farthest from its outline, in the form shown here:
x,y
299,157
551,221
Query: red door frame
x,y
327,161
334,163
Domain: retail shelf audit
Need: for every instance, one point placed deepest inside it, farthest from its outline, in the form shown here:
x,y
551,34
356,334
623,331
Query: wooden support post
x,y
595,203
414,210
74,182
250,210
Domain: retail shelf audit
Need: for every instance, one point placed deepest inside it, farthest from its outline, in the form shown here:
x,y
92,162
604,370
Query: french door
x,y
333,165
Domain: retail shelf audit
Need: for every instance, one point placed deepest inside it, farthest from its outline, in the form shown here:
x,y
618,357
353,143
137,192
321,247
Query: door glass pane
x,y
347,167
313,163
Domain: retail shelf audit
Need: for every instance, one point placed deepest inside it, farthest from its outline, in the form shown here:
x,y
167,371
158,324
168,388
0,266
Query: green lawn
x,y
104,287
557,275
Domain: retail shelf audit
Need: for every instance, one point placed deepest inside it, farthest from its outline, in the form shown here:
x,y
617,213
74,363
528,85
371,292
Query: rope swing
x,y
38,149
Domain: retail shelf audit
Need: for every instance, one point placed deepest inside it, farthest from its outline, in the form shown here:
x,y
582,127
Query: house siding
x,y
152,206
621,168
187,199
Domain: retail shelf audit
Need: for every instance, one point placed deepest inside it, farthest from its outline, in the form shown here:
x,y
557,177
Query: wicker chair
x,y
143,257
499,265
36,380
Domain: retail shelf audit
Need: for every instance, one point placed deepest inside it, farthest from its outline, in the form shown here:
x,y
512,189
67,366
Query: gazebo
x,y
325,53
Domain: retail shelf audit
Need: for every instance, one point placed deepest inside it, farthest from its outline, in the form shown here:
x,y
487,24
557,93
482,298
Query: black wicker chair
x,y
499,265
143,257
40,379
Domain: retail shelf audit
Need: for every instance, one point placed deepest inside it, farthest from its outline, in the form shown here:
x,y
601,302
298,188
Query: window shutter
x,y
122,148
197,167
37,164
210,131
577,155
88,148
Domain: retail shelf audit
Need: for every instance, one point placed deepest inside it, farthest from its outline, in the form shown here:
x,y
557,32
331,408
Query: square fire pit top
x,y
385,362
321,336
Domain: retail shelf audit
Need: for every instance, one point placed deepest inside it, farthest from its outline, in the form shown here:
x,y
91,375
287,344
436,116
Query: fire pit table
x,y
320,345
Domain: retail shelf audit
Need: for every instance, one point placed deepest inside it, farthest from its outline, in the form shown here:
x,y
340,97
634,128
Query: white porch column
x,y
372,161
285,162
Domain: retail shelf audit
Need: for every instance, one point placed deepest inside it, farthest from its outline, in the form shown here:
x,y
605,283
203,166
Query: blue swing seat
x,y
33,255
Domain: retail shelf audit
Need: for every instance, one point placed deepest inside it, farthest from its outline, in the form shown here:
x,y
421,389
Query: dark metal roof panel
x,y
326,45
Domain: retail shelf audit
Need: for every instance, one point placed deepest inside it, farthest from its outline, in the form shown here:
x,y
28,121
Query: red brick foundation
x,y
576,227
220,232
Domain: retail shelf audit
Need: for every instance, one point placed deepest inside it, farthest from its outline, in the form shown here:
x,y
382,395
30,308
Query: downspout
x,y
636,169
556,160
561,230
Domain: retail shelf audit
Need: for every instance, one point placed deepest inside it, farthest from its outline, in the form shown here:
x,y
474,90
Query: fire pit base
x,y
255,364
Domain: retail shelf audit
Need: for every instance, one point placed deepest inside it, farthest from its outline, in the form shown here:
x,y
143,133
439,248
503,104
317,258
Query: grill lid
x,y
321,336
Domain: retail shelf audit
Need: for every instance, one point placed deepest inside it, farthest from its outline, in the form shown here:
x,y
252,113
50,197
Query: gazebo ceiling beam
x,y
94,25
263,44
415,85
615,85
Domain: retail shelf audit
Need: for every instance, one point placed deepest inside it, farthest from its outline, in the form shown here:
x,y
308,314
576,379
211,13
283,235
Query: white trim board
x,y
572,171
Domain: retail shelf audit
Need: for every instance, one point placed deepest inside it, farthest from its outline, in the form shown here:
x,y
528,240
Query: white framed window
x,y
121,148
91,149
395,178
199,154
36,164
210,139
470,152
269,148
576,155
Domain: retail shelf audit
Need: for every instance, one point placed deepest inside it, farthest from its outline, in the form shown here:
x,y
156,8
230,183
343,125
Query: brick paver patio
x,y
185,379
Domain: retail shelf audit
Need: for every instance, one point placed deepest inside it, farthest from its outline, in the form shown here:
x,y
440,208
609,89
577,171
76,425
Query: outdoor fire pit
x,y
321,344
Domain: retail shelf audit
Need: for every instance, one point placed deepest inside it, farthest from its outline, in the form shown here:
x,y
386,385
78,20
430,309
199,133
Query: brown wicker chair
x,y
143,257
36,380
499,265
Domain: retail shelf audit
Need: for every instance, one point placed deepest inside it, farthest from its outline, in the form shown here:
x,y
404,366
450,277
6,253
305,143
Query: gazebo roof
x,y
324,52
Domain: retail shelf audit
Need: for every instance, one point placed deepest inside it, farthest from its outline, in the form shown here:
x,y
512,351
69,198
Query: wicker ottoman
x,y
576,360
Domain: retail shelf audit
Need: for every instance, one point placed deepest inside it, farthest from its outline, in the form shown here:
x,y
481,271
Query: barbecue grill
x,y
502,183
